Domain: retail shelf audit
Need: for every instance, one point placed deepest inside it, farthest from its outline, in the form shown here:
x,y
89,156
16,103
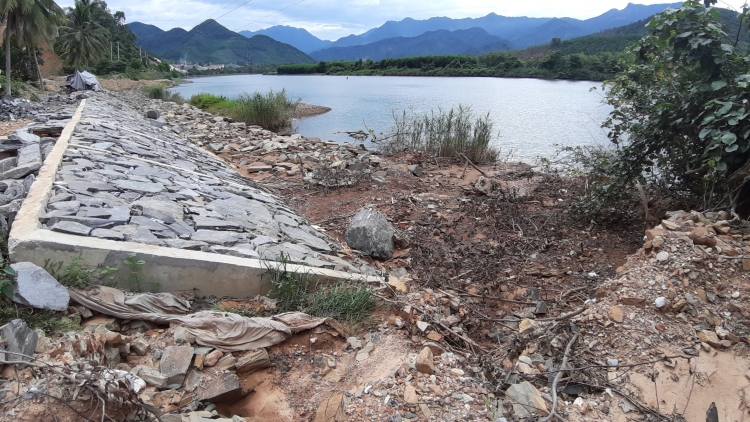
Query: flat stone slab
x,y
71,227
35,287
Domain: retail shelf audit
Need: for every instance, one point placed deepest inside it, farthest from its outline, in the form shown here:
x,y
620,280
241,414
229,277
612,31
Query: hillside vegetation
x,y
554,66
210,42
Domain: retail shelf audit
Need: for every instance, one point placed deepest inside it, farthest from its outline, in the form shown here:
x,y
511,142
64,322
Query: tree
x,y
28,22
681,114
83,39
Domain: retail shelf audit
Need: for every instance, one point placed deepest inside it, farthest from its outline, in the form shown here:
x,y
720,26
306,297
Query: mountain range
x,y
471,41
210,42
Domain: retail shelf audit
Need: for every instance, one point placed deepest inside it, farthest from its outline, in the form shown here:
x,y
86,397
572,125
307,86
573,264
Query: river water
x,y
531,116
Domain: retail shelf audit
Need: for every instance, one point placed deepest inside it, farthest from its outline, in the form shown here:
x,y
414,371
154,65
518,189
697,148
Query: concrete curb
x,y
175,269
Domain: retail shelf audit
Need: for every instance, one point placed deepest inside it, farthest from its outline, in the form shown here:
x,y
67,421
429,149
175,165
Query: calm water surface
x,y
530,115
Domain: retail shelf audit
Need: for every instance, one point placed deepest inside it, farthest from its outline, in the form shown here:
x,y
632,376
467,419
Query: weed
x,y
48,321
443,134
108,273
75,274
134,267
351,303
6,279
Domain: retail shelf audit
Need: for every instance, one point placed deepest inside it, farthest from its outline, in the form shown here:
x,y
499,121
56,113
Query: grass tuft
x,y
349,303
160,92
272,111
444,134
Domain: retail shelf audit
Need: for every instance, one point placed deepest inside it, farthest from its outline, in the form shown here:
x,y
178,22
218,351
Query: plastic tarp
x,y
223,330
82,81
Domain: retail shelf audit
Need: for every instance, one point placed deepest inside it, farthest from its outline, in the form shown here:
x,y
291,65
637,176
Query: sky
x,y
333,19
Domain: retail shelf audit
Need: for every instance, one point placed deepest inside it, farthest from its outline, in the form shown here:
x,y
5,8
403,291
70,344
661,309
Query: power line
x,y
276,12
212,12
248,1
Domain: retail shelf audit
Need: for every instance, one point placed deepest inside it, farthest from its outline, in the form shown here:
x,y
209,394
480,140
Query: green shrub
x,y
207,101
443,134
272,111
159,92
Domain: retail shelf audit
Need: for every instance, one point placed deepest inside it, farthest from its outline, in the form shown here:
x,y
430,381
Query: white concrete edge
x,y
48,237
27,218
26,229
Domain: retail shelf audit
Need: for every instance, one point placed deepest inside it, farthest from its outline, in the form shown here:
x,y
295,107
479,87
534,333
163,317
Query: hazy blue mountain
x,y
521,31
297,37
463,41
211,42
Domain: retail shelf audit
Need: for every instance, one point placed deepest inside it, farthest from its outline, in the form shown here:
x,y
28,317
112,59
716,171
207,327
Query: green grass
x,y
444,134
352,303
160,92
272,111
49,321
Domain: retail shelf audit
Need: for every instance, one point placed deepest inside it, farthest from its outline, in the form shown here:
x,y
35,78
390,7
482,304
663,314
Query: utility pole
x,y
118,51
110,51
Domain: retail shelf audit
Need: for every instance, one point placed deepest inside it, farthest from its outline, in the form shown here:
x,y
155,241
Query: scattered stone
x,y
662,256
35,287
370,233
212,358
219,387
424,363
616,314
710,338
701,236
526,400
252,362
660,302
17,337
410,395
174,364
151,376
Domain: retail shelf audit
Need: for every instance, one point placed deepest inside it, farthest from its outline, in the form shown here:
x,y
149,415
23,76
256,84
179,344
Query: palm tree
x,y
29,22
82,39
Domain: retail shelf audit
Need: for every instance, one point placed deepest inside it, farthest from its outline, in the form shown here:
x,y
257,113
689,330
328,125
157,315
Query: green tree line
x,y
556,65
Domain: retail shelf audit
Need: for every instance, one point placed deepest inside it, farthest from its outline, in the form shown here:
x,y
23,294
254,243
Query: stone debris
x,y
17,337
124,180
35,287
526,399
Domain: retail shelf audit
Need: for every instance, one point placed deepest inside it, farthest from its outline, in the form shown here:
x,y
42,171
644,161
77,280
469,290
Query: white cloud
x,y
332,19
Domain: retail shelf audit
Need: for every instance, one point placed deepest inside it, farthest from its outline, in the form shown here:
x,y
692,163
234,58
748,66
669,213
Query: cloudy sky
x,y
332,19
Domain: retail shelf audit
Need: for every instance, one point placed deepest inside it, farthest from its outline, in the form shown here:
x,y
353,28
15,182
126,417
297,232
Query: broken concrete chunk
x,y
35,287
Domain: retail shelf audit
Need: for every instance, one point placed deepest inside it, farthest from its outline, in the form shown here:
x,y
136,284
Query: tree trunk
x,y
38,70
7,58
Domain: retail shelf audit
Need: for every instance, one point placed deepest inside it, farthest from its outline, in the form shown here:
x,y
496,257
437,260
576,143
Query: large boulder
x,y
35,287
371,233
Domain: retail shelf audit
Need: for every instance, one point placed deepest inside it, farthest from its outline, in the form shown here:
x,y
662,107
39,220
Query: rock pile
x,y
254,150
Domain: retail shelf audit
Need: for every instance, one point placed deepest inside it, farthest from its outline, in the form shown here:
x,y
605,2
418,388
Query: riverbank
x,y
490,259
309,110
493,286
